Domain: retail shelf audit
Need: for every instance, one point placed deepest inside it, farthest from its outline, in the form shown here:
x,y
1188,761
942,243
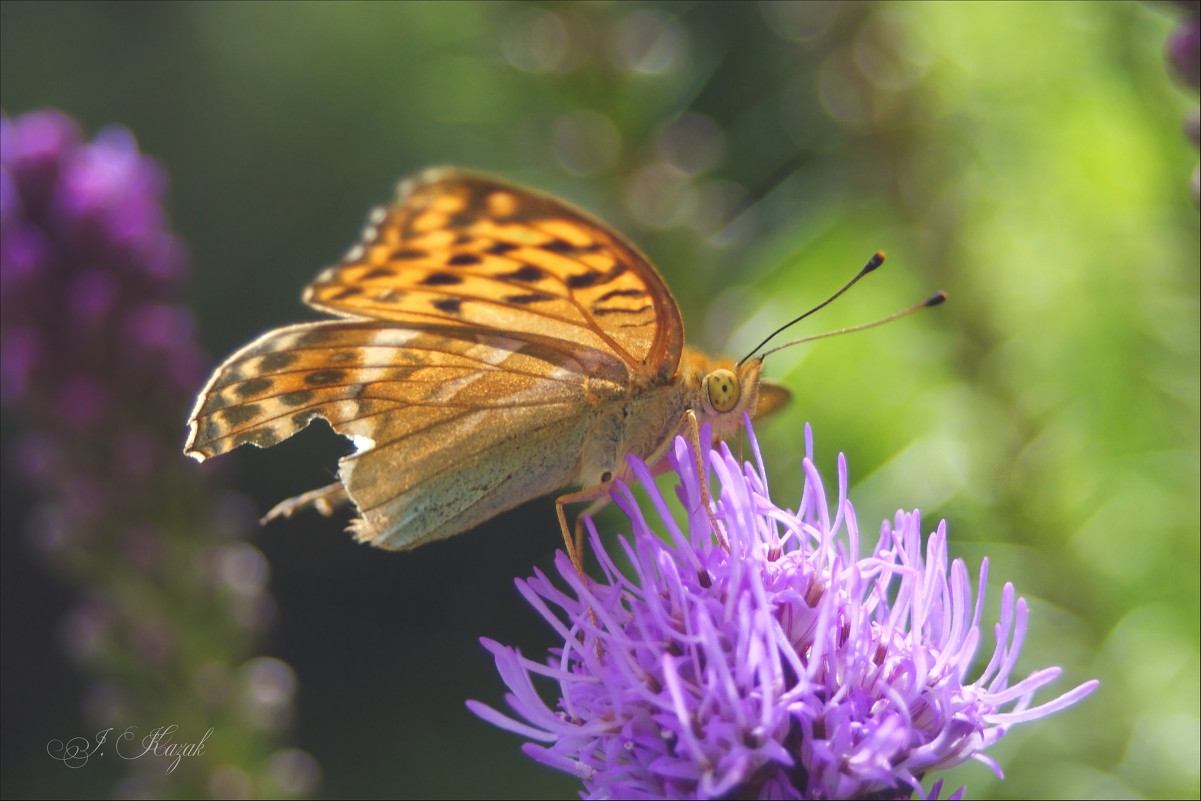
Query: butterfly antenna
x,y
933,300
875,261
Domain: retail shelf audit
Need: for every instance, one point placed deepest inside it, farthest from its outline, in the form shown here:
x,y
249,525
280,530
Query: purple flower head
x,y
93,338
779,666
1183,53
1184,50
98,363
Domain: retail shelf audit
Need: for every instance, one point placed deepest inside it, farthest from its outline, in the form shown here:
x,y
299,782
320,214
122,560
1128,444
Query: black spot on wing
x,y
214,402
527,274
240,415
463,260
441,279
298,398
584,280
528,298
342,357
449,305
255,386
232,375
639,310
621,293
593,277
212,430
277,361
346,292
378,272
402,373
564,247
323,377
501,248
314,337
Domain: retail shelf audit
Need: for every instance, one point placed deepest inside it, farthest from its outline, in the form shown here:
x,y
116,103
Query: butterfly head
x,y
723,391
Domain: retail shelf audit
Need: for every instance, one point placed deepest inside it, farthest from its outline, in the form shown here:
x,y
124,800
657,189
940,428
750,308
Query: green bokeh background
x,y
1026,158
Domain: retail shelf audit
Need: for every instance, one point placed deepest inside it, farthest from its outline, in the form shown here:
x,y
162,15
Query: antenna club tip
x,y
875,261
935,300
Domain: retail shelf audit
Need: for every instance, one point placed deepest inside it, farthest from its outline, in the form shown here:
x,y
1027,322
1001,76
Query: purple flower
x,y
94,343
98,364
782,667
1183,52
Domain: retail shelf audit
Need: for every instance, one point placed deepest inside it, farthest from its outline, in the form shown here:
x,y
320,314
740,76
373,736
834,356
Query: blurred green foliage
x,y
1026,158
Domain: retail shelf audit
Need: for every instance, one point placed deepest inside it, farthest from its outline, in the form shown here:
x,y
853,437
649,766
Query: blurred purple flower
x,y
1183,52
783,667
96,352
1184,49
98,363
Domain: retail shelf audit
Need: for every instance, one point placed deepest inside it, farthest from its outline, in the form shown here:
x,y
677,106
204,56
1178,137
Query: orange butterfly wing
x,y
464,249
482,317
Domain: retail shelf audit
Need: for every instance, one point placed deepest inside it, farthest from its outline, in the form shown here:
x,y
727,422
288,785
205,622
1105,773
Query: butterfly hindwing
x,y
416,487
359,376
441,419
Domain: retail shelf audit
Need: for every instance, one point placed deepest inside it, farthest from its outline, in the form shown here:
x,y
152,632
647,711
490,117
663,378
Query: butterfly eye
x,y
723,389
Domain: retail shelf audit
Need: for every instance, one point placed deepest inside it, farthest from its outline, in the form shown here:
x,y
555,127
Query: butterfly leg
x,y
691,430
598,495
325,500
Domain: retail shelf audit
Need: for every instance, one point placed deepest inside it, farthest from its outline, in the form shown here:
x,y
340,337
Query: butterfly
x,y
491,345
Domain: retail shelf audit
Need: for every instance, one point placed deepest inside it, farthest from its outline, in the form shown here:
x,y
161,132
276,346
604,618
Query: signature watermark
x,y
160,742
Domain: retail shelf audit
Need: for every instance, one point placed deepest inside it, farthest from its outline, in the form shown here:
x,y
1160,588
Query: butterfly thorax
x,y
644,421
